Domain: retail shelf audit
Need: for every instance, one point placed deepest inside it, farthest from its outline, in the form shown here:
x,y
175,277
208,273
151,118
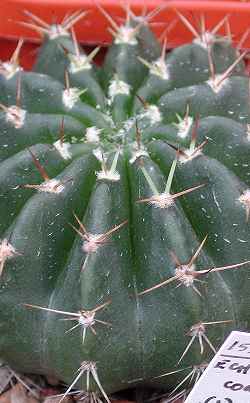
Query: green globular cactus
x,y
124,206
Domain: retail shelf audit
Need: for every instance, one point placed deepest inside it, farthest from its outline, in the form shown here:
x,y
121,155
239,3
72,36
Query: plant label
x,y
227,377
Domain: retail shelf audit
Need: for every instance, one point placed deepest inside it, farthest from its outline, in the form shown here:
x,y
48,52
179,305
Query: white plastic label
x,y
227,377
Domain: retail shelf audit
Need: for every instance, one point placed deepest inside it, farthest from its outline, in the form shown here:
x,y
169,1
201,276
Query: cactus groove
x,y
124,207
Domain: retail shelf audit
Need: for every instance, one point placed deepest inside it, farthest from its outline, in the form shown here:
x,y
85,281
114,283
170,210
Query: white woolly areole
x,y
57,30
51,186
137,154
63,149
79,63
91,245
245,198
88,366
191,154
86,319
108,175
118,87
248,131
160,68
99,154
93,134
204,40
152,113
215,83
185,274
184,126
163,200
15,116
6,250
198,328
126,126
8,70
126,35
70,96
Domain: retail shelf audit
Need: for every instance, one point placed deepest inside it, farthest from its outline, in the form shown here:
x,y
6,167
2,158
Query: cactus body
x,y
103,158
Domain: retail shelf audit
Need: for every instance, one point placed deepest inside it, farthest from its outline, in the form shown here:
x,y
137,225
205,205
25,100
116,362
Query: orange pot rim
x,y
93,28
192,5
